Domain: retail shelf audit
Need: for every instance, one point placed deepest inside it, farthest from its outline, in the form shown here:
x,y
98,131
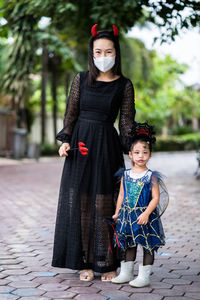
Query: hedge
x,y
171,143
178,142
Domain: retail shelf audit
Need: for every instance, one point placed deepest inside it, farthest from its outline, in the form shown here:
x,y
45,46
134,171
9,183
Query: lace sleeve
x,y
127,114
72,111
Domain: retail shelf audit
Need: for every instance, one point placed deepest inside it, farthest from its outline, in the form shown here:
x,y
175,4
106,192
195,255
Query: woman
x,y
83,240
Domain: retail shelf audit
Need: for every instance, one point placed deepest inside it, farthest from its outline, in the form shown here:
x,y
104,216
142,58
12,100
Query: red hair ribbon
x,y
94,30
142,131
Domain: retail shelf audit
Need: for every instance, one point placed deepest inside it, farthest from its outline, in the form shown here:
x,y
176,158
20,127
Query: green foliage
x,y
178,143
179,130
161,99
136,61
66,37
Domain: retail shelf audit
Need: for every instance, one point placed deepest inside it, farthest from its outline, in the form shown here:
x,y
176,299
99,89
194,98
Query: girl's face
x,y
140,154
103,47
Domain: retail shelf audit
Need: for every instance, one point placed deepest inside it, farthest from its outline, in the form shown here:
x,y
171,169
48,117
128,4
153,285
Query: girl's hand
x,y
143,219
115,216
63,149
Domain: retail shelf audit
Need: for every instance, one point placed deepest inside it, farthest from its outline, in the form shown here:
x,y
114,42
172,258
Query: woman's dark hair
x,y
93,71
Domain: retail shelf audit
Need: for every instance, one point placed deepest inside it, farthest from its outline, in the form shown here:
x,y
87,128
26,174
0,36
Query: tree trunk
x,y
54,84
67,81
43,95
195,121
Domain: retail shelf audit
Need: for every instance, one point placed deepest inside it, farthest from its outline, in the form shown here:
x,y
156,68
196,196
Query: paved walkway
x,y
28,201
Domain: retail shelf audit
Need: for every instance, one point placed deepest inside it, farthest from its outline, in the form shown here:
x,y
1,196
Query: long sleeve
x,y
127,114
72,111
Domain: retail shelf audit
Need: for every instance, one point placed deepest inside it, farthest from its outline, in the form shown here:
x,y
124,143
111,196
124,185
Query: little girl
x,y
141,201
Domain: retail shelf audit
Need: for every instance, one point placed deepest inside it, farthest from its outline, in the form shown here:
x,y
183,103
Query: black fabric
x,y
131,253
148,259
83,240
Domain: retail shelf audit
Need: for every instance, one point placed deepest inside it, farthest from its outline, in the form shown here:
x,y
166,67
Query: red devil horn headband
x,y
115,30
95,32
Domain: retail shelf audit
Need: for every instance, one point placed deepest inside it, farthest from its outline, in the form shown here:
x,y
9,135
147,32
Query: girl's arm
x,y
119,200
144,217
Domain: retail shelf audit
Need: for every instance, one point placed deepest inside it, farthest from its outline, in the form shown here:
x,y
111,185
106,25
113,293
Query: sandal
x,y
86,275
108,276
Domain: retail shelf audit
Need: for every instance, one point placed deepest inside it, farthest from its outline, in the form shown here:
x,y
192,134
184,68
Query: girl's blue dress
x,y
137,195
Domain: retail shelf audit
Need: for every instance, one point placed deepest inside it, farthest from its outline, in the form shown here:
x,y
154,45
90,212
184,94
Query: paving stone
x,y
160,285
192,295
84,290
177,298
20,277
69,276
16,272
53,287
60,294
91,297
9,297
146,296
12,267
6,289
62,271
43,274
44,280
77,282
28,292
169,292
9,262
177,281
190,277
4,282
106,285
26,252
2,276
114,293
36,298
24,284
128,288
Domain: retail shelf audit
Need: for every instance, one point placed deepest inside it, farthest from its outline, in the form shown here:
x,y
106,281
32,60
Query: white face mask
x,y
104,64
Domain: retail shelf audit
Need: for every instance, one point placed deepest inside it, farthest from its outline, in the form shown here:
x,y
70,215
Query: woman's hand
x,y
115,216
143,219
63,149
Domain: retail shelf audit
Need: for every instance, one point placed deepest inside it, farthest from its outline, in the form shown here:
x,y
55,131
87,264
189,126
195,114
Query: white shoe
x,y
126,272
143,277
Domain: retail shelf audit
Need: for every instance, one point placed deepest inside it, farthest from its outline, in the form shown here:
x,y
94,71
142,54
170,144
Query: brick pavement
x,y
28,195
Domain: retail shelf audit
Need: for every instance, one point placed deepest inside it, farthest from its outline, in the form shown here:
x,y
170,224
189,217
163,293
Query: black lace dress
x,y
83,240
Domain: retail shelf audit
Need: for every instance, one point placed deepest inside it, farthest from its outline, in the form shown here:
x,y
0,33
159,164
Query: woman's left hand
x,y
143,219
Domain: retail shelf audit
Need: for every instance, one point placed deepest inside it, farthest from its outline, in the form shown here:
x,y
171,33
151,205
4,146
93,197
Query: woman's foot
x,y
86,275
108,276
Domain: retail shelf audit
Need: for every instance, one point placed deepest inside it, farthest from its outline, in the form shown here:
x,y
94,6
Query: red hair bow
x,y
142,131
